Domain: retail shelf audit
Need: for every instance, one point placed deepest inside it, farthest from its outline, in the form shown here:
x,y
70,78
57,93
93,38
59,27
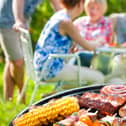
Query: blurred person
x,y
119,27
14,13
22,11
56,38
93,27
119,59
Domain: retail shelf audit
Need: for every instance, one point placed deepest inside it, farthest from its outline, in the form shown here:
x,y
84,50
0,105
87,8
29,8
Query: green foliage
x,y
39,18
116,6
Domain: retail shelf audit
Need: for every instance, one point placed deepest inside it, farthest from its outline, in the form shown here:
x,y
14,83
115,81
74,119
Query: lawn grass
x,y
9,109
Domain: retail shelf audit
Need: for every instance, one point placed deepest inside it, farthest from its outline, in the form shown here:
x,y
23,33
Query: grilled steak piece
x,y
103,103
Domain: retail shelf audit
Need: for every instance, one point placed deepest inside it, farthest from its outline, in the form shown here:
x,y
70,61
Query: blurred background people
x,y
118,73
119,28
9,39
56,38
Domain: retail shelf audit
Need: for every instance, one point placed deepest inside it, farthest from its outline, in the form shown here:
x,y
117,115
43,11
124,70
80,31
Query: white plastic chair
x,y
28,58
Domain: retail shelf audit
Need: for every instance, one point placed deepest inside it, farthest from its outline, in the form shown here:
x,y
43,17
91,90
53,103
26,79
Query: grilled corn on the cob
x,y
49,113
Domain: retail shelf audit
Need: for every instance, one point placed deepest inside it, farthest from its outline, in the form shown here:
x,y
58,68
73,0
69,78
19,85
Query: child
x,y
94,27
56,38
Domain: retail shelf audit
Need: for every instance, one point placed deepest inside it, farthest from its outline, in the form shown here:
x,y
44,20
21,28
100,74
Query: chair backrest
x,y
28,52
28,56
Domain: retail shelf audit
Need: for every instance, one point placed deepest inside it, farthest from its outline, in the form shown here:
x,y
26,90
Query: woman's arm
x,y
67,28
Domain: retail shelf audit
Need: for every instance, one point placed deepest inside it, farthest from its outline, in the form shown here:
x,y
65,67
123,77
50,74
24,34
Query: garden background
x,y
43,11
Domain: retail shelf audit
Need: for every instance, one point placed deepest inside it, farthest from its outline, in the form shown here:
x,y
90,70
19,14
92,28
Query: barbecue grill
x,y
71,92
